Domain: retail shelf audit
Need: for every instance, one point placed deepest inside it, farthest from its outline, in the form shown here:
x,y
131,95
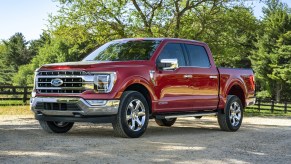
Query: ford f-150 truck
x,y
129,81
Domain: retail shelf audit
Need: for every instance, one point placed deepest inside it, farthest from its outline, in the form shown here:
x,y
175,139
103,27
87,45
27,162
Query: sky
x,y
30,16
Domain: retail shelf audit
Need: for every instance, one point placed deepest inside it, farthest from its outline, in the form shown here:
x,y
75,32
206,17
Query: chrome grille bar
x,y
72,82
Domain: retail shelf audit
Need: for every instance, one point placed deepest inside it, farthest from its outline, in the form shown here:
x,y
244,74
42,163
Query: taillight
x,y
252,81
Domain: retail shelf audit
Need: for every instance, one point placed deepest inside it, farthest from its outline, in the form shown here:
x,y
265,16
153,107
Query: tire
x,y
198,117
166,122
56,127
231,118
132,118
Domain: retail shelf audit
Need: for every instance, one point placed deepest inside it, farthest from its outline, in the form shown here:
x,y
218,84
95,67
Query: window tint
x,y
173,51
198,56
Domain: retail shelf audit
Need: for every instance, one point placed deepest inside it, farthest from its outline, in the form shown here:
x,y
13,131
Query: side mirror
x,y
168,64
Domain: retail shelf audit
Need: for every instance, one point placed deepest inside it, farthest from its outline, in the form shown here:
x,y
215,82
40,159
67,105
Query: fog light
x,y
97,102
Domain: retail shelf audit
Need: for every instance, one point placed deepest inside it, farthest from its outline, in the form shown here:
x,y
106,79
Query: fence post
x,y
259,105
285,107
25,94
272,107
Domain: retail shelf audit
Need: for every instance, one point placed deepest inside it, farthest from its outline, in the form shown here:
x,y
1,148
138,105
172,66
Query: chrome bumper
x,y
250,101
110,107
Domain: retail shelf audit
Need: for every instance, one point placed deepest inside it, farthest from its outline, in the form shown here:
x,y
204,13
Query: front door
x,y
172,86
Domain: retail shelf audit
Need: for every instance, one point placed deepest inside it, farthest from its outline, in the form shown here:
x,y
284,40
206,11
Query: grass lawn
x,y
13,102
15,110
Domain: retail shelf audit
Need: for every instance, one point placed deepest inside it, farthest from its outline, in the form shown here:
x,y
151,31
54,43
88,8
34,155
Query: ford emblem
x,y
57,82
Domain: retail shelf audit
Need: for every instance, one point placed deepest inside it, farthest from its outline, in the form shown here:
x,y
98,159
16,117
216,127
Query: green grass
x,y
12,102
15,110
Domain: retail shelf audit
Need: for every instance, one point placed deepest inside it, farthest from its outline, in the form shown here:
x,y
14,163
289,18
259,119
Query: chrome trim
x,y
188,76
195,66
213,77
110,108
152,76
173,64
87,82
251,101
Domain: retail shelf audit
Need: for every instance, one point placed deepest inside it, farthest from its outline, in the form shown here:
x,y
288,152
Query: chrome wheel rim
x,y
235,114
135,115
61,124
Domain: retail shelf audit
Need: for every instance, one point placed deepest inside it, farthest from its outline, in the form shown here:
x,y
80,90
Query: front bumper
x,y
60,107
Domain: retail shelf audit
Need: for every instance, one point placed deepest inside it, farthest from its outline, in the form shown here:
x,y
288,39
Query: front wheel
x,y
133,115
231,118
56,127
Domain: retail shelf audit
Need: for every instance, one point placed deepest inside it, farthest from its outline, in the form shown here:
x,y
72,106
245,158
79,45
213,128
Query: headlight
x,y
103,82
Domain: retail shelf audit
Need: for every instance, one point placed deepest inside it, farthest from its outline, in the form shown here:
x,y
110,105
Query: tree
x,y
17,52
281,65
273,48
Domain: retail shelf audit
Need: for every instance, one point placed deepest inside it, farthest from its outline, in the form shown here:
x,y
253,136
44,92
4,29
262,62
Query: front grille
x,y
72,81
68,82
58,106
50,73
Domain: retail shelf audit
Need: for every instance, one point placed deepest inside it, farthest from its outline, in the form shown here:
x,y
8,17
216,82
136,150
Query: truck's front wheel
x,y
133,115
56,127
231,118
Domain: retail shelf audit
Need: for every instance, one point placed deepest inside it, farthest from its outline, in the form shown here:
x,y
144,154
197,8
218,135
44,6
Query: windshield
x,y
124,51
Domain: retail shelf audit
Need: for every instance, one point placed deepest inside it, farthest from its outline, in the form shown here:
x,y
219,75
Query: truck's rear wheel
x,y
56,127
166,122
133,115
231,118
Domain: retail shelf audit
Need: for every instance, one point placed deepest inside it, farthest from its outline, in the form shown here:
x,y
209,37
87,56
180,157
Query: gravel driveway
x,y
260,140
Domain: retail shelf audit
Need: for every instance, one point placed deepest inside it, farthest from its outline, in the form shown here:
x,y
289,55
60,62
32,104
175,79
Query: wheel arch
x,y
143,90
143,86
237,90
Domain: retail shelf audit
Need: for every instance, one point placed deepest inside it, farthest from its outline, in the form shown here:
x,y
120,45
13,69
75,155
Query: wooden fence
x,y
16,95
272,105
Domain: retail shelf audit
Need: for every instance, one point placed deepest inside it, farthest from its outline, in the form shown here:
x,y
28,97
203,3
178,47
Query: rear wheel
x,y
56,127
231,118
166,122
198,117
133,115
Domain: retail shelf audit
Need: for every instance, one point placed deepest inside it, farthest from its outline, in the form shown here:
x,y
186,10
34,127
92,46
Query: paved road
x,y
260,140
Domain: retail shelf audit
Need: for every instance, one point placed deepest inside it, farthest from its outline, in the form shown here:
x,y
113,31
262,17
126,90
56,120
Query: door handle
x,y
213,77
187,76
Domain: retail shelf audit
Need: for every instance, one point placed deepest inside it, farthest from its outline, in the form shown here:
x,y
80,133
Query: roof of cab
x,y
159,39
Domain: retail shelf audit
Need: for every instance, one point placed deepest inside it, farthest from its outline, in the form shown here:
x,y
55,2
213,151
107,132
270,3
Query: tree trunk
x,y
278,91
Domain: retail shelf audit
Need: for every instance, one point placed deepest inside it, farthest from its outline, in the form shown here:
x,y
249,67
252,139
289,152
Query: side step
x,y
175,115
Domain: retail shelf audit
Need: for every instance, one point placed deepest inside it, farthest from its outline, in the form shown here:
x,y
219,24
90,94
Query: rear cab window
x,y
198,56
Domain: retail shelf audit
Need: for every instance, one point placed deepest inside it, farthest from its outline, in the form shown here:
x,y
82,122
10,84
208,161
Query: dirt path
x,y
260,140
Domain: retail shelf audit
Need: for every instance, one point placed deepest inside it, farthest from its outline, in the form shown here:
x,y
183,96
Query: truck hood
x,y
94,65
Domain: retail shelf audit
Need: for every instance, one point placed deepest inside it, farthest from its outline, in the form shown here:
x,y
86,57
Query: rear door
x,y
204,77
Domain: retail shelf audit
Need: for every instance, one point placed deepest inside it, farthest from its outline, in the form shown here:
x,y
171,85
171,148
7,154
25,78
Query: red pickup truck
x,y
129,81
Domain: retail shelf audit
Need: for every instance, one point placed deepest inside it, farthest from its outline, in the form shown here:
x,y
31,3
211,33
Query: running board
x,y
175,115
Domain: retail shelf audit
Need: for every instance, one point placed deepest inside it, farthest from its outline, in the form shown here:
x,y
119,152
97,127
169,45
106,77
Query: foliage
x,y
271,60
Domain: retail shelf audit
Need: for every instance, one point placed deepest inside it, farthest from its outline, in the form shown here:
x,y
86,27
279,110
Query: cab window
x,y
173,51
197,56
